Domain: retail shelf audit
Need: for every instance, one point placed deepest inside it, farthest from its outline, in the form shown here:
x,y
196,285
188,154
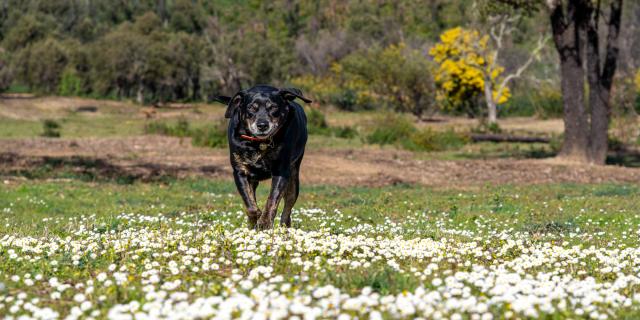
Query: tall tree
x,y
585,58
577,36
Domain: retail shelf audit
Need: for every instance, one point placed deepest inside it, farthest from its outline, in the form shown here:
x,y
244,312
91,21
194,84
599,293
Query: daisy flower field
x,y
181,250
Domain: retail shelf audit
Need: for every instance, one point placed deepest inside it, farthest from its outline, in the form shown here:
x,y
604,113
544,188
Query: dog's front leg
x,y
278,186
247,191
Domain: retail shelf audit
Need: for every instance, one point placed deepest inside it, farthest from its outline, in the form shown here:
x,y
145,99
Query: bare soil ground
x,y
152,157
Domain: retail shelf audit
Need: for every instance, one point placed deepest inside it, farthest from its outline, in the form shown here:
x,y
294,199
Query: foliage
x,y
390,128
428,139
50,128
70,83
486,127
398,130
212,136
180,129
316,121
395,77
544,102
29,28
328,91
6,76
317,125
142,60
157,51
464,56
41,64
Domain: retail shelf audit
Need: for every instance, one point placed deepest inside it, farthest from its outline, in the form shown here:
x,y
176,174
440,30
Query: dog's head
x,y
262,109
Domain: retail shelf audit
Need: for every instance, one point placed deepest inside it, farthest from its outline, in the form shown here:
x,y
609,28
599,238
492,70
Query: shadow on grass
x,y
625,158
506,151
93,169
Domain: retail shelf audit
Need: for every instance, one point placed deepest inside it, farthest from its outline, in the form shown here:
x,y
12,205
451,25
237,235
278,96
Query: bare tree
x,y
223,70
502,26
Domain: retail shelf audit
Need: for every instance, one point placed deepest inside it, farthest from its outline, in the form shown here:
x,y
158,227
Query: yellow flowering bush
x,y
638,81
464,57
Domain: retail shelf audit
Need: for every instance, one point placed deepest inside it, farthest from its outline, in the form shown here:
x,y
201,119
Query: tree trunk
x,y
601,78
195,94
491,105
598,97
576,36
576,124
568,36
140,94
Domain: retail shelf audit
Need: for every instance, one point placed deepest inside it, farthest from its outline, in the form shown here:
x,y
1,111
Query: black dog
x,y
267,136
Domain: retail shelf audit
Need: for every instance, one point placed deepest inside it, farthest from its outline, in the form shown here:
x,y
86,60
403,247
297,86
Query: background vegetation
x,y
352,54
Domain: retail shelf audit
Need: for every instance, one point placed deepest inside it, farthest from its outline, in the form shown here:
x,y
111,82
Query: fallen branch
x,y
479,137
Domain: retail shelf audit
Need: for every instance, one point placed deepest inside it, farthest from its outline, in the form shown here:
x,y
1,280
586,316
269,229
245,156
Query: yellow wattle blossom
x,y
638,81
464,57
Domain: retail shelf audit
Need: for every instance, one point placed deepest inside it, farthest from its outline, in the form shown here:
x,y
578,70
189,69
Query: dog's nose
x,y
262,125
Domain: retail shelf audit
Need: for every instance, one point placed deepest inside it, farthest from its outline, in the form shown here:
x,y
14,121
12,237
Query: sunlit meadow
x,y
182,251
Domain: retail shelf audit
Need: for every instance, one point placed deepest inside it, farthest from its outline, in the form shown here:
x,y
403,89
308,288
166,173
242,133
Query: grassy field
x,y
78,243
181,249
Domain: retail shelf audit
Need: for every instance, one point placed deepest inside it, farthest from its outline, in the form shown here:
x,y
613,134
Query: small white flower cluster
x,y
207,266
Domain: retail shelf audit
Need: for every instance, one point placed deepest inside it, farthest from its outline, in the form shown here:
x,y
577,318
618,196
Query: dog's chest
x,y
257,162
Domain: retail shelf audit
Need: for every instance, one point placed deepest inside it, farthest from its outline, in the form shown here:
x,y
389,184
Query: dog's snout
x,y
262,125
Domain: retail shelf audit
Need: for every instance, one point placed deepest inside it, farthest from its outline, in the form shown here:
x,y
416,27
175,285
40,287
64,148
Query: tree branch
x,y
534,54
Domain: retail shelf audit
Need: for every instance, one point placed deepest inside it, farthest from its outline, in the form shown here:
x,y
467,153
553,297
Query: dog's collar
x,y
255,139
264,142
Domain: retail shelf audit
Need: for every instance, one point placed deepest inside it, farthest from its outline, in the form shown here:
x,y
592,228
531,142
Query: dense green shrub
x,y
428,139
180,129
543,102
390,128
70,83
396,77
213,136
485,127
400,131
40,65
317,125
50,128
345,132
316,121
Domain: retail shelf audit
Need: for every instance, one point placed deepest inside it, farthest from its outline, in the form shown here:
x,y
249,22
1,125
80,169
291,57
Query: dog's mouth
x,y
262,133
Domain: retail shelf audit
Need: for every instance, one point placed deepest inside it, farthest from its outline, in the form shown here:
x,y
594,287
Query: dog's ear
x,y
222,99
292,93
233,104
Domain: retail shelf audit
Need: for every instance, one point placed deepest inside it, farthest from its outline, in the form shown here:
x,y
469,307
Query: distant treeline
x,y
186,50
160,50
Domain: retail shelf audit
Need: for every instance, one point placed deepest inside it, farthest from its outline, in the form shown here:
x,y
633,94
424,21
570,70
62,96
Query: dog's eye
x,y
252,107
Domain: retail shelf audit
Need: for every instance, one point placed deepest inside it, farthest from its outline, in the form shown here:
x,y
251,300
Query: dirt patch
x,y
149,158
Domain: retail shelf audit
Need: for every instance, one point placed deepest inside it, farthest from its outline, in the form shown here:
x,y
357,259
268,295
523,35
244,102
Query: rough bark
x,y
601,78
568,35
491,104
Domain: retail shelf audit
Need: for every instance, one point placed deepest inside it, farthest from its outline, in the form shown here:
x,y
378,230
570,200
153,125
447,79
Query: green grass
x,y
75,126
522,209
195,214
